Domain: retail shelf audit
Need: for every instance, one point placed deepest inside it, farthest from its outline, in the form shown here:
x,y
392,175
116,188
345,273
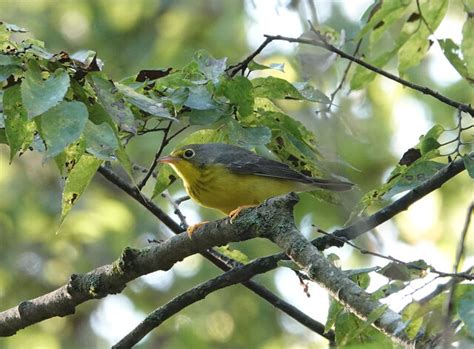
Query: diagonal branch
x,y
112,278
197,293
274,220
365,224
425,90
221,261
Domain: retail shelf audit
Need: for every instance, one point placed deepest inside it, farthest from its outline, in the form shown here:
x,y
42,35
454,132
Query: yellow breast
x,y
218,188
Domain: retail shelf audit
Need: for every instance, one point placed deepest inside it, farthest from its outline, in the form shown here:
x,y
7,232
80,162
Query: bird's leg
x,y
234,213
193,227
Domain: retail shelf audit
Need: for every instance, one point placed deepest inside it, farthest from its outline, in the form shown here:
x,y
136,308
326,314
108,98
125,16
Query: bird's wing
x,y
260,166
251,163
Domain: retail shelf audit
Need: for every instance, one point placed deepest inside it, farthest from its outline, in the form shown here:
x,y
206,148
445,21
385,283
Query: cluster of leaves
x,y
422,318
403,29
65,107
417,165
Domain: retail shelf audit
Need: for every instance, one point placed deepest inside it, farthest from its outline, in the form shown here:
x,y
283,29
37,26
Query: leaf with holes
x,y
62,125
166,177
15,119
239,91
77,181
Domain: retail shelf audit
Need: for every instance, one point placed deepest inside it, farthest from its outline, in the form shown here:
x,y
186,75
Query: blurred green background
x,y
369,130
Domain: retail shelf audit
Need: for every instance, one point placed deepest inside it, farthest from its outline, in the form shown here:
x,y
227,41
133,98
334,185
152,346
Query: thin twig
x,y
364,225
425,90
396,260
177,211
241,66
154,163
344,76
166,140
449,306
184,198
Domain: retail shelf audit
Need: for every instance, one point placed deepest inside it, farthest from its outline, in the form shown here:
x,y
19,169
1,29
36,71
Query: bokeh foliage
x,y
264,111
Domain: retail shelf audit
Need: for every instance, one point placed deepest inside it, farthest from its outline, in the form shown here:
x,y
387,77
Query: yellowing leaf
x,y
77,181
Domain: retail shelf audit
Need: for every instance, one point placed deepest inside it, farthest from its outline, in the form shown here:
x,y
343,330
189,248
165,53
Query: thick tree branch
x,y
63,301
276,223
425,90
215,257
112,278
366,224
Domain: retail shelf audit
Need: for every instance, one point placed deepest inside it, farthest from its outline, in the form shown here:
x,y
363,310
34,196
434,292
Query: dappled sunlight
x,y
115,316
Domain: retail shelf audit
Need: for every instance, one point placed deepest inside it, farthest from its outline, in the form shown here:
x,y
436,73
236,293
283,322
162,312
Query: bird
x,y
229,178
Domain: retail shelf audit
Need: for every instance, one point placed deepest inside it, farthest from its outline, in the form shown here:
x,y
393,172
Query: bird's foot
x,y
234,213
193,227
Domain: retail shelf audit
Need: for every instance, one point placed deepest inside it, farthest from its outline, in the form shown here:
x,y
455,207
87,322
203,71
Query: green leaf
x,y
7,70
40,95
200,98
145,103
386,290
204,117
390,12
382,16
166,177
249,136
234,254
124,160
429,141
9,60
452,53
77,181
3,136
414,49
335,309
413,320
310,93
361,278
275,88
252,66
405,272
101,140
469,164
70,156
363,76
9,65
62,125
205,136
13,28
465,305
239,92
467,46
15,119
418,173
113,102
212,68
373,316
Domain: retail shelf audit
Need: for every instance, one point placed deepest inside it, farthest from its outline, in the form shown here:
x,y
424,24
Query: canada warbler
x,y
226,177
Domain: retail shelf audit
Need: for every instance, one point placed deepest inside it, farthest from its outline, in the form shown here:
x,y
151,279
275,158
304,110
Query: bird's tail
x,y
332,184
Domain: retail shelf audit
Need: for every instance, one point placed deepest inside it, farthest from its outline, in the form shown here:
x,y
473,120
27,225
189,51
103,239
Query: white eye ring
x,y
188,154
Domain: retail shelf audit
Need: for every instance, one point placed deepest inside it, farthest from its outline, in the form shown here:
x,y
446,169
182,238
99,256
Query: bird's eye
x,y
188,154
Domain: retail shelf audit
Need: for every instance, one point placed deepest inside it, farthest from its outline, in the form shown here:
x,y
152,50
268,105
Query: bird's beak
x,y
168,159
